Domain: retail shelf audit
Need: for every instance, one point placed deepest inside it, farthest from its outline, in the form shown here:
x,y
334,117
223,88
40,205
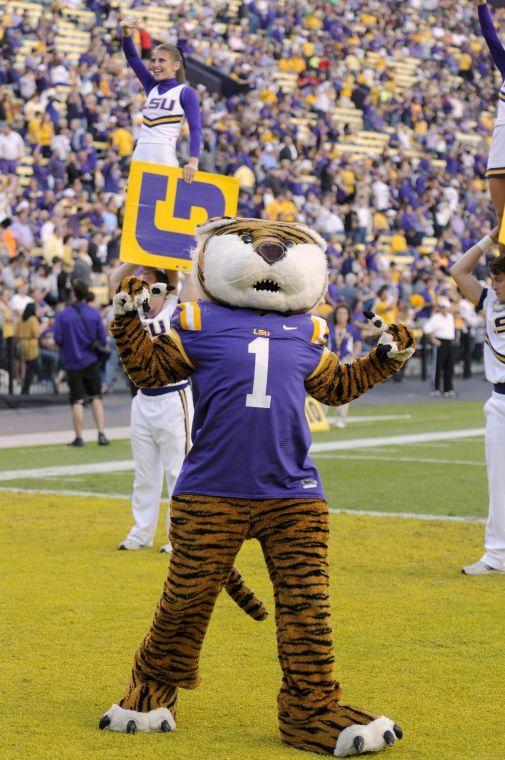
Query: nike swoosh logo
x,y
285,327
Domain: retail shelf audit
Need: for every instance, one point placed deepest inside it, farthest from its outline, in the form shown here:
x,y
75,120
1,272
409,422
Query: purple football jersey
x,y
250,434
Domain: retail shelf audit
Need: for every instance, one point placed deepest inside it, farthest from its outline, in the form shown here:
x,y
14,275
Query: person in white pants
x,y
161,420
491,301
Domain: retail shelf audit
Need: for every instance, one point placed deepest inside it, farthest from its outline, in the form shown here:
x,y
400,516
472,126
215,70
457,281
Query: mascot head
x,y
258,264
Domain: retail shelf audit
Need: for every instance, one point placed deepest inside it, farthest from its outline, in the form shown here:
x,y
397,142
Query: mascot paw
x,y
161,289
131,295
396,341
377,735
130,721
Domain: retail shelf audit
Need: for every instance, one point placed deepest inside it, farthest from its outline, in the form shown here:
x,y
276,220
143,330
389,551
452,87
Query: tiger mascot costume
x,y
253,352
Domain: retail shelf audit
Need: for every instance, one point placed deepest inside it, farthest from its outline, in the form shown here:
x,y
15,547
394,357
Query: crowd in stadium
x,y
394,219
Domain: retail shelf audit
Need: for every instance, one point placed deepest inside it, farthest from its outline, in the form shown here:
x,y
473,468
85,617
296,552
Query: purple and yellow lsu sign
x,y
162,212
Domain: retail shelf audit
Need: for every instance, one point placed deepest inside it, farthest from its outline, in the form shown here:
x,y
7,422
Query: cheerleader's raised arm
x,y
170,101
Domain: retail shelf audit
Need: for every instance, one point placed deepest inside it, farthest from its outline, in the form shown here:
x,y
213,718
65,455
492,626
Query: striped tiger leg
x,y
148,695
294,538
206,535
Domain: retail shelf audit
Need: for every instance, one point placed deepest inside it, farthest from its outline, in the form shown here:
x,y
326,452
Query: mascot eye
x,y
247,238
289,243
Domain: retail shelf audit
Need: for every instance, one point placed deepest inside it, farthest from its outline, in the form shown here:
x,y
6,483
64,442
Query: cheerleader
x,y
346,342
496,161
169,102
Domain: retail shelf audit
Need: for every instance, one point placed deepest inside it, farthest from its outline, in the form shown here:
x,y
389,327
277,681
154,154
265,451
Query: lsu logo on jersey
x,y
162,212
499,325
164,104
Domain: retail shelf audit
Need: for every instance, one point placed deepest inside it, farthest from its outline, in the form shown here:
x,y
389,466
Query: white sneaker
x,y
480,568
129,545
167,548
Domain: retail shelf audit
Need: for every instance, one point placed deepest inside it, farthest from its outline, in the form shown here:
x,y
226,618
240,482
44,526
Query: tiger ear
x,y
320,241
215,223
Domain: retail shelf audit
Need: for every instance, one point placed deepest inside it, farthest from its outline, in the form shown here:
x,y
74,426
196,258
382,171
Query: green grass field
x,y
414,638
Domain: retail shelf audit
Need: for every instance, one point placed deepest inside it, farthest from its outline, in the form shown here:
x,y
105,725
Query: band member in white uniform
x,y
161,420
441,328
491,301
169,103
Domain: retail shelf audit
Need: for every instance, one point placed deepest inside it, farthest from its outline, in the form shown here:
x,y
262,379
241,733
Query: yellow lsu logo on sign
x,y
162,212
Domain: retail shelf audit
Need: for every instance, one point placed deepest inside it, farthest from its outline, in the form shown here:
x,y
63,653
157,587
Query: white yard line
x,y
378,417
366,443
323,446
408,515
21,440
367,457
69,469
54,492
359,512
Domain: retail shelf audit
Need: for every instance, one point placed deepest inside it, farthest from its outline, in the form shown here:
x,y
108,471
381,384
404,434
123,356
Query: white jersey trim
x,y
494,347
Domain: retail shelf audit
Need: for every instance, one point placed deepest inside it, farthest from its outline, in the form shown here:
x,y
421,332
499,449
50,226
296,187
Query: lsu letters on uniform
x,y
161,420
162,120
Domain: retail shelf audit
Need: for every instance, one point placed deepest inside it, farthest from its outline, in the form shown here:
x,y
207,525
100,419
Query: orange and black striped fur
x,y
293,534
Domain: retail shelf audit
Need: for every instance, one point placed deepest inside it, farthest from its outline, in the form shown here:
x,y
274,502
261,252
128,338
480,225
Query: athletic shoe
x,y
167,548
103,440
435,394
480,568
129,546
450,394
76,442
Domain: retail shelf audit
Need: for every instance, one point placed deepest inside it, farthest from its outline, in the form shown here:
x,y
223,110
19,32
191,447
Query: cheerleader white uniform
x,y
496,158
168,105
494,366
162,120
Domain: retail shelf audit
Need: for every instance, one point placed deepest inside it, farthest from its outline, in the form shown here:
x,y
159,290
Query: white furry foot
x,y
130,721
377,735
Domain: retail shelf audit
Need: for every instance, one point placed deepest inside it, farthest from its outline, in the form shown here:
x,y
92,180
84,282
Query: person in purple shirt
x,y
345,341
496,160
169,101
79,331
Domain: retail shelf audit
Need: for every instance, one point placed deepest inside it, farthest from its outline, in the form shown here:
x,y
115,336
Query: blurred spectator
x,y
12,149
145,41
441,329
345,341
470,322
50,359
79,332
27,333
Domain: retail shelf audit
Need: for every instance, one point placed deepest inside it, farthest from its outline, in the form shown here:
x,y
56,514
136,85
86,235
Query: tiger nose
x,y
271,252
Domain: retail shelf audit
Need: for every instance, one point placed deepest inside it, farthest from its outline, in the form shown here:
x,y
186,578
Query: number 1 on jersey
x,y
259,397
